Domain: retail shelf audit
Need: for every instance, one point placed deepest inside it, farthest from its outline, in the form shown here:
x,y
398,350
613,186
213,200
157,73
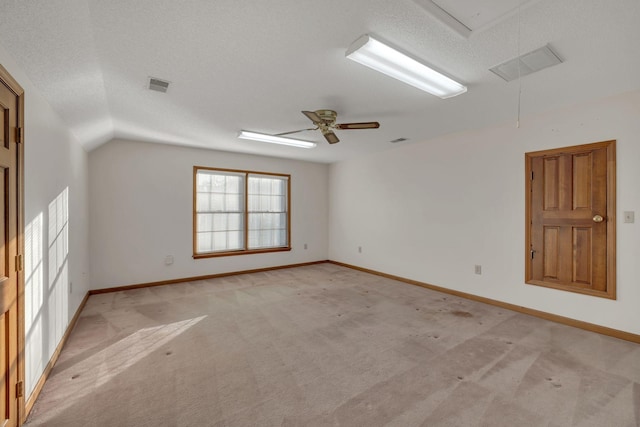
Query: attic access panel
x,y
467,16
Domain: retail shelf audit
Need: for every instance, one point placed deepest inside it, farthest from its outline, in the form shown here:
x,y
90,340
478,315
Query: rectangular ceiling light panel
x,y
387,60
274,139
530,62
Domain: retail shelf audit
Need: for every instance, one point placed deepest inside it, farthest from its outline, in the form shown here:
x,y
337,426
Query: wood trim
x,y
245,217
591,327
193,210
54,358
611,219
528,194
289,212
11,83
194,278
241,171
14,86
241,252
22,413
571,149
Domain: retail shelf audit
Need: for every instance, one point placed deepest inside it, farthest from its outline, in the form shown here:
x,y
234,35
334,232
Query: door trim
x,y
610,147
13,85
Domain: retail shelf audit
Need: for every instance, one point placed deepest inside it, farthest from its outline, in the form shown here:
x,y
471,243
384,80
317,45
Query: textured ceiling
x,y
240,64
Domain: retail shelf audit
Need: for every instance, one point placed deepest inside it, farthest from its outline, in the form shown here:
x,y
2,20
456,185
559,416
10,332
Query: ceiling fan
x,y
325,121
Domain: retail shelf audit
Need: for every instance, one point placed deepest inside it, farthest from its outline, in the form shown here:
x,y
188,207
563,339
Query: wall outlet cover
x,y
629,217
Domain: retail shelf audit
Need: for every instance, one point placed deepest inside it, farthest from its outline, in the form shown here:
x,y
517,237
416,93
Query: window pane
x,y
277,187
233,202
280,237
203,182
233,184
278,204
267,230
219,221
218,183
267,212
265,185
234,239
217,202
267,194
205,222
204,243
220,241
253,240
235,222
202,202
254,185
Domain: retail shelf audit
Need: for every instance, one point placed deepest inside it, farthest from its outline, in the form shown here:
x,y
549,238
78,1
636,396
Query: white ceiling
x,y
254,65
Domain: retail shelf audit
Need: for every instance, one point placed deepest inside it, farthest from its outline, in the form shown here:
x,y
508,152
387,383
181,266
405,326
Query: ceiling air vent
x,y
531,62
158,85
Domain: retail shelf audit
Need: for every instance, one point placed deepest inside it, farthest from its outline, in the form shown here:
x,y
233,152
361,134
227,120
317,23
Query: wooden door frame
x,y
610,147
15,87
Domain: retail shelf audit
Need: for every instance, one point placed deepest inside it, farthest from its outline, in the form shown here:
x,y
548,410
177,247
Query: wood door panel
x,y
4,264
582,181
568,246
551,184
551,252
5,342
582,260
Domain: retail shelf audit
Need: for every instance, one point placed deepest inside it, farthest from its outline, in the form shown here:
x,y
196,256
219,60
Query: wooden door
x,y
571,219
11,285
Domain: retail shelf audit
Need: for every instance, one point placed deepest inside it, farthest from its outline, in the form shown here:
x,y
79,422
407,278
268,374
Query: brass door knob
x,y
598,218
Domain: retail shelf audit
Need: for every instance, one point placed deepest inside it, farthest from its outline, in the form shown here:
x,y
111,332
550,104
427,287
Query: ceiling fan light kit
x,y
383,58
274,139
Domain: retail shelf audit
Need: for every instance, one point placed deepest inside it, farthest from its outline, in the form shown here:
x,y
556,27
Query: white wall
x,y
141,198
56,222
432,210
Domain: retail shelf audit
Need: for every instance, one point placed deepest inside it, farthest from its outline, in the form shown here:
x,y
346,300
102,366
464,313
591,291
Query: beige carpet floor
x,y
325,345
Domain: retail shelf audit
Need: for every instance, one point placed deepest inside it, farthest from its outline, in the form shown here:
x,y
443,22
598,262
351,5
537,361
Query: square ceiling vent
x,y
526,64
158,85
468,16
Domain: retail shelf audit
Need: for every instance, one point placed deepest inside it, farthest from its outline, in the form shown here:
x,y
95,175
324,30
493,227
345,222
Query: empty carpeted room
x,y
347,213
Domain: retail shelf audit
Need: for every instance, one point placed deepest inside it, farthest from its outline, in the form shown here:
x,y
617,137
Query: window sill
x,y
241,252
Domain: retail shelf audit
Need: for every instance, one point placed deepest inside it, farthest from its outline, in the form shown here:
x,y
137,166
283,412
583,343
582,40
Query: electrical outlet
x,y
478,269
629,217
168,260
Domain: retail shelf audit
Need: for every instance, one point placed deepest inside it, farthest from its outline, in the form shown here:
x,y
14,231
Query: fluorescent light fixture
x,y
274,139
387,60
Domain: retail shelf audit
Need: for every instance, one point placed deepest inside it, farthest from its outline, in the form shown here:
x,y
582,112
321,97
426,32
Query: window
x,y
239,212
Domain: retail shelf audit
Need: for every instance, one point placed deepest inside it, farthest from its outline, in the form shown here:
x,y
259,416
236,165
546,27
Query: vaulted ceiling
x,y
254,65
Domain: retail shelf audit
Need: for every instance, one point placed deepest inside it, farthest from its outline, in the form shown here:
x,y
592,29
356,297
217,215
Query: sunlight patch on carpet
x,y
95,371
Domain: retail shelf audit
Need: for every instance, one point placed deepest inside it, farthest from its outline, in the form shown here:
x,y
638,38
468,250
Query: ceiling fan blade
x,y
293,131
331,137
313,117
363,125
